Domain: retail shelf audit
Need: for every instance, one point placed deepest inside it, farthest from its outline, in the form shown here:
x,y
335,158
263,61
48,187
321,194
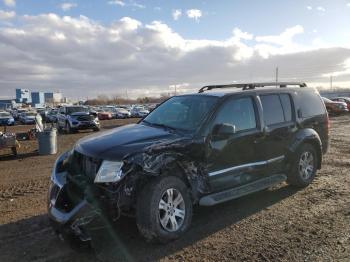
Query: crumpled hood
x,y
117,143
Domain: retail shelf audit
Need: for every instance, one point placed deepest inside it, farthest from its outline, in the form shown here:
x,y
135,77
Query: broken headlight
x,y
109,171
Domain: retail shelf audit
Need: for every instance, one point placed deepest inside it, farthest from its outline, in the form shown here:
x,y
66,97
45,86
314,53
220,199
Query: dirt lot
x,y
280,224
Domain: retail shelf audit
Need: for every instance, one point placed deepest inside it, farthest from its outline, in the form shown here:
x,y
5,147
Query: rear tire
x,y
164,209
304,167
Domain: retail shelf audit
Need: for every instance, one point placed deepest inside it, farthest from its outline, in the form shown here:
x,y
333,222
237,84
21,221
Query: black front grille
x,y
84,165
85,118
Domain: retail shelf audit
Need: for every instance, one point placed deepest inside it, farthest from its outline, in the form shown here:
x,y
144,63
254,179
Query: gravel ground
x,y
279,224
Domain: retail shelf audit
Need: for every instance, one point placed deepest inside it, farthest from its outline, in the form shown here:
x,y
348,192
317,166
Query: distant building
x,y
7,104
53,97
23,96
38,99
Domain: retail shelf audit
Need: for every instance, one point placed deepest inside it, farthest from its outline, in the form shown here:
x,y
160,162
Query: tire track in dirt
x,y
23,189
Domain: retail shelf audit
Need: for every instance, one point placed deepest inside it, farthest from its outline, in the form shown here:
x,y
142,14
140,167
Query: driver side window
x,y
238,112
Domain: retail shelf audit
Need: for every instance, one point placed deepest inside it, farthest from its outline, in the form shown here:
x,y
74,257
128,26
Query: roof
x,y
222,90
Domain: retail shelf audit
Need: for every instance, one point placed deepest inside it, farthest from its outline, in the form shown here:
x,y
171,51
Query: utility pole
x,y
331,82
276,74
175,89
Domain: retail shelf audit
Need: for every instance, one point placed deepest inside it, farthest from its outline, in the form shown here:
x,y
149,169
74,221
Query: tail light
x,y
328,124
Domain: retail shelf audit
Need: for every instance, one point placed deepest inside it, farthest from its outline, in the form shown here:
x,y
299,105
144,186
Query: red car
x,y
343,99
103,115
335,108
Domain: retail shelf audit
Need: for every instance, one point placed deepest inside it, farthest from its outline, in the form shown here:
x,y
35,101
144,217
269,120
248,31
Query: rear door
x,y
279,127
231,161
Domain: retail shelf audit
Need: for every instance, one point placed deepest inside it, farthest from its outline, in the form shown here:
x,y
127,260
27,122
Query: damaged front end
x,y
85,190
75,201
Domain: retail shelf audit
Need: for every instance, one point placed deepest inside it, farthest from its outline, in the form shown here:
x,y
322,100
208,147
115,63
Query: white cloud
x,y
135,4
10,3
194,14
309,7
321,9
68,6
116,2
7,15
82,57
131,3
176,14
348,4
285,38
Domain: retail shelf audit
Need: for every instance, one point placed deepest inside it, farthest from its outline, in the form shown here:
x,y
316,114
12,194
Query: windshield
x,y
71,110
31,114
4,114
183,112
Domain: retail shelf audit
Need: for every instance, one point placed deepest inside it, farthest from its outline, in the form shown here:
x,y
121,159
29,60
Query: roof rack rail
x,y
248,86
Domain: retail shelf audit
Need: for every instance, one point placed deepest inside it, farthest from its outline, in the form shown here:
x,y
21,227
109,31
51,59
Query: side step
x,y
237,192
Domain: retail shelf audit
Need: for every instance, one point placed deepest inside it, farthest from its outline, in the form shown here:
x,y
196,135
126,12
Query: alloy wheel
x,y
306,165
171,210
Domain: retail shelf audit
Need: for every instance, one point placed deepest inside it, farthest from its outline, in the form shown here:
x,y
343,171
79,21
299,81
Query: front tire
x,y
164,209
304,167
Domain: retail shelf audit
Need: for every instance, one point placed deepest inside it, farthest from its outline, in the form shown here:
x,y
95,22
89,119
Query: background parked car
x,y
122,113
139,111
334,107
104,115
6,119
110,109
17,112
74,118
28,118
52,116
343,99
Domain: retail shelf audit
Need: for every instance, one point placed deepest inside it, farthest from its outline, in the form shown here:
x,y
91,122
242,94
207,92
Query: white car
x,y
122,113
139,111
27,118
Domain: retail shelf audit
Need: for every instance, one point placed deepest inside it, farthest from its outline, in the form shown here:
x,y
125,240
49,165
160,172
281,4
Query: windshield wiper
x,y
161,125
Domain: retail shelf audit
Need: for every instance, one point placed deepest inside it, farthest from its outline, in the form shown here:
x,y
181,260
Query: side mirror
x,y
223,131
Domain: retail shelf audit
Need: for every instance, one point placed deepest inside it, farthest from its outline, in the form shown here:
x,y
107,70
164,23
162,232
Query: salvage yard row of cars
x,y
51,115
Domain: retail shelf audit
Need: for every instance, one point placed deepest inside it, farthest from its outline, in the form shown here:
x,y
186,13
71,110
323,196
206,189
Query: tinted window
x,y
238,112
287,107
272,109
310,103
182,112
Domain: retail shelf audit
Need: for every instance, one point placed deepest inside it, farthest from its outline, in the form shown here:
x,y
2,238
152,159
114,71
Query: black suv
x,y
199,149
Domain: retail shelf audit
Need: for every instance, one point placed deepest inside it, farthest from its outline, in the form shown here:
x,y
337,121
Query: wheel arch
x,y
305,136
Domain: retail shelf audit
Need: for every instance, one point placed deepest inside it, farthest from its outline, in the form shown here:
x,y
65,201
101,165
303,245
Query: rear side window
x,y
310,104
287,107
272,109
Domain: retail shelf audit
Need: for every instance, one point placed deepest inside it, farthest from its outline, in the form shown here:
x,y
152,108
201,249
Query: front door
x,y
232,158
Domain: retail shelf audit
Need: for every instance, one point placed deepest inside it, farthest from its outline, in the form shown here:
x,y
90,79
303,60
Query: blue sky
x,y
308,39
218,17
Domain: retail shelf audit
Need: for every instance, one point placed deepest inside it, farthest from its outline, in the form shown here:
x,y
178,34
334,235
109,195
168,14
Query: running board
x,y
237,192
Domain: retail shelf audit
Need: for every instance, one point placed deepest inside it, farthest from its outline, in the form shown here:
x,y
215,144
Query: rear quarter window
x,y
310,103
